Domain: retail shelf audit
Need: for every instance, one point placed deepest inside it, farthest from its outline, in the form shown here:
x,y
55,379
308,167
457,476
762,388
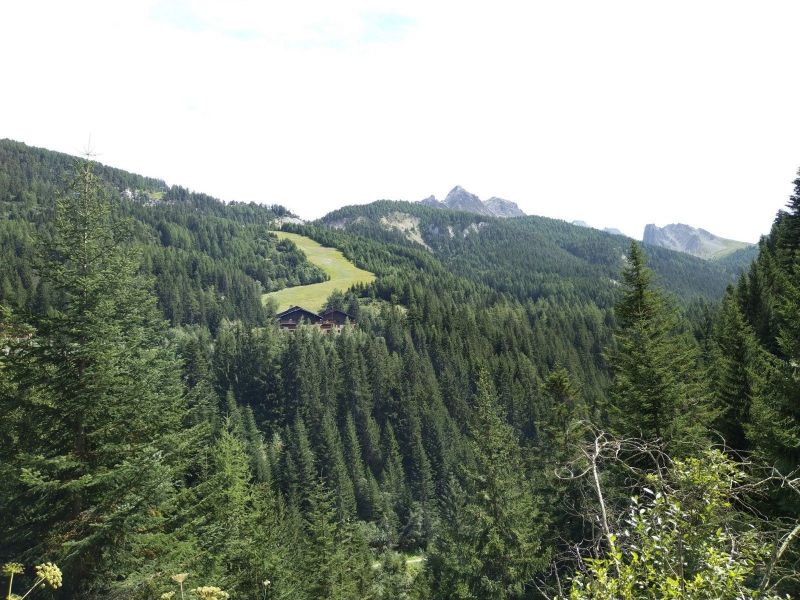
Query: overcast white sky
x,y
616,113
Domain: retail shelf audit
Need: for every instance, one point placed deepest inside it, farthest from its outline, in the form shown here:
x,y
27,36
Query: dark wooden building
x,y
292,317
330,320
337,318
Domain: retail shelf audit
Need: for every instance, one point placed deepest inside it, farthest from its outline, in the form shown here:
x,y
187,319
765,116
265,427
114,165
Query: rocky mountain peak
x,y
460,199
501,207
691,240
432,201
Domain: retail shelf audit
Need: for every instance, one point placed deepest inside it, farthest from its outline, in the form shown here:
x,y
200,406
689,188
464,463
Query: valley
x,y
160,427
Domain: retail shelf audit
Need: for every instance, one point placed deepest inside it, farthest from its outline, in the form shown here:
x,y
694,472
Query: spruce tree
x,y
335,563
97,454
490,543
656,392
737,369
775,428
562,428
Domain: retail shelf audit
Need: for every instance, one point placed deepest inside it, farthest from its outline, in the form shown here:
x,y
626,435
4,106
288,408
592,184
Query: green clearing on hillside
x,y
343,274
730,246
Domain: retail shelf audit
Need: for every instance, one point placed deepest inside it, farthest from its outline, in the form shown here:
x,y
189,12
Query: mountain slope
x,y
210,260
532,257
695,241
501,207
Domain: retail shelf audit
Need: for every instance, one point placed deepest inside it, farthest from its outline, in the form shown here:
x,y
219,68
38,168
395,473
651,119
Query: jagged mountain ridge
x,y
460,199
691,240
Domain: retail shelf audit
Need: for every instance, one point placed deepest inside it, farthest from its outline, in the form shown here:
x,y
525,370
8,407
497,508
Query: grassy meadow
x,y
343,274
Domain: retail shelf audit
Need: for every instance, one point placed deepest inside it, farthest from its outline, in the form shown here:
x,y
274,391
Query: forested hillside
x,y
211,260
521,409
533,257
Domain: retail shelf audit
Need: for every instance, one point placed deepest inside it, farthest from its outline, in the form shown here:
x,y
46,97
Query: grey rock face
x,y
432,201
691,240
501,207
460,199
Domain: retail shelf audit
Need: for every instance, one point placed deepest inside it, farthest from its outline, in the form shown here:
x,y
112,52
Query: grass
x,y
731,246
343,274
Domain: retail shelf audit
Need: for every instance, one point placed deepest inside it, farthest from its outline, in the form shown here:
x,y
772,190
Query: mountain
x,y
529,257
611,230
432,201
501,207
481,357
460,199
691,240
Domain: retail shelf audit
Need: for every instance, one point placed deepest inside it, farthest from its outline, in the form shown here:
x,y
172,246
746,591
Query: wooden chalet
x,y
330,320
337,318
292,317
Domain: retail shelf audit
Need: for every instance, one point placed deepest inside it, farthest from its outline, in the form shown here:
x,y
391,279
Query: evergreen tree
x,y
224,510
775,428
656,392
97,450
334,469
335,561
561,428
490,543
738,367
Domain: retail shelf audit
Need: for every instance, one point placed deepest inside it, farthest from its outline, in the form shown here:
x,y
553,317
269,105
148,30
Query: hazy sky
x,y
617,113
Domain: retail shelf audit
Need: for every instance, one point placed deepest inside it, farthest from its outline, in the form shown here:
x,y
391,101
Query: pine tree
x,y
97,452
335,560
775,428
561,428
224,510
490,544
334,468
738,367
656,393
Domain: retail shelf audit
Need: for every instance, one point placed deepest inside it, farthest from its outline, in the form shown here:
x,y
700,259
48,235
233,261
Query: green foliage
x,y
210,260
738,368
656,393
341,275
94,419
536,257
684,539
238,454
490,543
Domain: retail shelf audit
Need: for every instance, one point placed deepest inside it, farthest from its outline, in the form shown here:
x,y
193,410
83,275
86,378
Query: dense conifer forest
x,y
521,409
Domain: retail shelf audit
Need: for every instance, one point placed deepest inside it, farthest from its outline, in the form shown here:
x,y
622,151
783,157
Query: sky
x,y
617,113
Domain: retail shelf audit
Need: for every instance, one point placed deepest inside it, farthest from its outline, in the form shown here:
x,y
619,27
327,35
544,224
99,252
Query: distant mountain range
x,y
691,240
460,199
687,239
611,230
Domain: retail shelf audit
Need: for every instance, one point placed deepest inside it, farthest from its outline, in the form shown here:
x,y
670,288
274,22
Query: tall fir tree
x,y
738,366
97,450
775,427
490,543
656,393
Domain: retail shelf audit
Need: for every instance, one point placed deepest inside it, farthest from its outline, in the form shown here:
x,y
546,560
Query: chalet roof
x,y
336,311
303,312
